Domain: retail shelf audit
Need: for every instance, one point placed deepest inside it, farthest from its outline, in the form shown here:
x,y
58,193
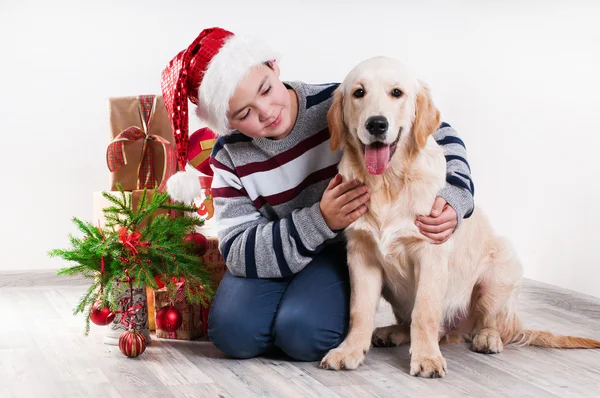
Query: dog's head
x,y
381,107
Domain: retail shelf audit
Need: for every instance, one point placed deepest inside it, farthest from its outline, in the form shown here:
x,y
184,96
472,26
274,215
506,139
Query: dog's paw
x,y
430,367
343,358
390,336
488,341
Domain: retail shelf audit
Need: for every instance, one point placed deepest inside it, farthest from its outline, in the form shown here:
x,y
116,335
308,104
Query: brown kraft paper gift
x,y
190,329
125,112
195,316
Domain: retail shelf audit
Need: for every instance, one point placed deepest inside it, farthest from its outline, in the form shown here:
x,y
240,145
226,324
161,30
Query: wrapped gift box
x,y
213,260
192,326
141,153
195,316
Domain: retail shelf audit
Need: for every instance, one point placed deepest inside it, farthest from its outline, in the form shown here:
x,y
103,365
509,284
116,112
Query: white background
x,y
519,80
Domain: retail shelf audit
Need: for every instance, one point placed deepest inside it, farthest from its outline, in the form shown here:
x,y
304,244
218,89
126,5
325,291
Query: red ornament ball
x,y
169,319
200,242
100,314
132,343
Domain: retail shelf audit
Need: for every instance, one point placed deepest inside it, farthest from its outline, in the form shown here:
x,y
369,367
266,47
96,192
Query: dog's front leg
x,y
366,278
431,276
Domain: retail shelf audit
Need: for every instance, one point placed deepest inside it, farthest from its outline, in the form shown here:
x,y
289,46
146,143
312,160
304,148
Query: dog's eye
x,y
396,93
359,93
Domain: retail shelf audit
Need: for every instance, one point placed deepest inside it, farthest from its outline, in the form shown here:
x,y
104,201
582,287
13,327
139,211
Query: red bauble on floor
x,y
169,319
100,314
132,343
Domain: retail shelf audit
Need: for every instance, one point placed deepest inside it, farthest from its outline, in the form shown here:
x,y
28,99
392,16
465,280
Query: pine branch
x,y
87,228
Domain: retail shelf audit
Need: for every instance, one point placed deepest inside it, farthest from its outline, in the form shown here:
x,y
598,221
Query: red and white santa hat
x,y
207,73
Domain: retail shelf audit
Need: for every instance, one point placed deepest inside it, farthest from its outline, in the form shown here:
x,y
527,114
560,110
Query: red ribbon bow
x,y
127,315
131,240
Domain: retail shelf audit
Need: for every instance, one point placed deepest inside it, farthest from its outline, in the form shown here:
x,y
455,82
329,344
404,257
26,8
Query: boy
x,y
280,206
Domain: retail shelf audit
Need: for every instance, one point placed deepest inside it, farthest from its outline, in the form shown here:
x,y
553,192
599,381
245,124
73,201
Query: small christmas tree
x,y
123,252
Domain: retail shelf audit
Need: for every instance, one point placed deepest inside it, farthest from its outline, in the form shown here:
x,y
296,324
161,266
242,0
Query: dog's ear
x,y
335,120
427,116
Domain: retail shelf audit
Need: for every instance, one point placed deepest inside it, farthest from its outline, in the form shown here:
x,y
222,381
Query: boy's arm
x,y
459,189
253,246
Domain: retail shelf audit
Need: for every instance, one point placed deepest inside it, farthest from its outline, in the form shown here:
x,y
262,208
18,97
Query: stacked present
x,y
141,152
142,155
195,316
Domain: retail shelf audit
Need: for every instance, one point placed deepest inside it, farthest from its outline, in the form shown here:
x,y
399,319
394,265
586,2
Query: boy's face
x,y
261,105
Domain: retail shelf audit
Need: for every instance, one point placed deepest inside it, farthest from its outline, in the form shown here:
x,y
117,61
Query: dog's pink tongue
x,y
376,158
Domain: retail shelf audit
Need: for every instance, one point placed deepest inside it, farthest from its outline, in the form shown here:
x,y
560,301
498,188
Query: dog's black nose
x,y
377,125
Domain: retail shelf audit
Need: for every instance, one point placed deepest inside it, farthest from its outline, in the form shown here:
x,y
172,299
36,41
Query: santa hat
x,y
207,72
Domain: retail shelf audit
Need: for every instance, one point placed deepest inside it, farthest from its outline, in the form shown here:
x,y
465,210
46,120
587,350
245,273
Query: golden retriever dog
x,y
461,290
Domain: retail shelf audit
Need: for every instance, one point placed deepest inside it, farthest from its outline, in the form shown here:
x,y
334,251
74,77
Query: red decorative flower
x,y
131,240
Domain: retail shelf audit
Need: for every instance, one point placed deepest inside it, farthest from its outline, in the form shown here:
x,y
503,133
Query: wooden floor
x,y
44,354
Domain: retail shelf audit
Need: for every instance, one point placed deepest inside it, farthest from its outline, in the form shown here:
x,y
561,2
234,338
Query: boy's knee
x,y
304,338
233,335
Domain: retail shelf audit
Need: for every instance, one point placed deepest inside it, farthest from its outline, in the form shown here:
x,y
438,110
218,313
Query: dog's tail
x,y
545,339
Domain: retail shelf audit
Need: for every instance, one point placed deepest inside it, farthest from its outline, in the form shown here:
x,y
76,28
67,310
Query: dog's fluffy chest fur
x,y
399,196
388,229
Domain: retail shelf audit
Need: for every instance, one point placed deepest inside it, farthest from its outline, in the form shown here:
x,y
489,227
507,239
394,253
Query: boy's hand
x,y
343,202
440,224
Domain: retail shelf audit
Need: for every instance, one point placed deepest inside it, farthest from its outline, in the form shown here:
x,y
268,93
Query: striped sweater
x,y
267,192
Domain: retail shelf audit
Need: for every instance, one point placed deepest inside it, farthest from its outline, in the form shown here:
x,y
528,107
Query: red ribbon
x,y
180,294
128,314
131,240
101,261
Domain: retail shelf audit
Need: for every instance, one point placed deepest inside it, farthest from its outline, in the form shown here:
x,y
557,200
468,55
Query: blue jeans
x,y
305,315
